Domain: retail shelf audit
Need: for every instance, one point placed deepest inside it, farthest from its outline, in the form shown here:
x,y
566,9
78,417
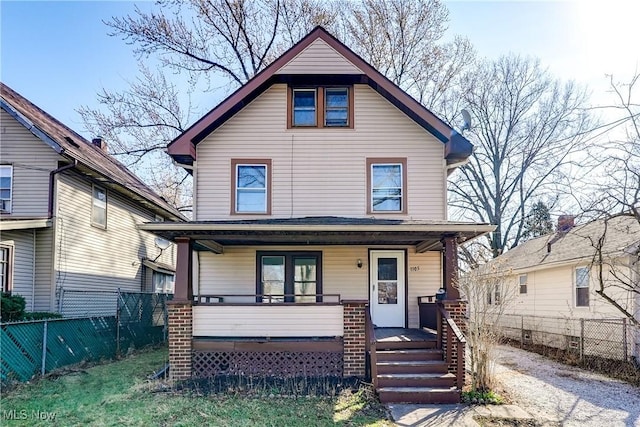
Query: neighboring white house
x,y
556,277
69,214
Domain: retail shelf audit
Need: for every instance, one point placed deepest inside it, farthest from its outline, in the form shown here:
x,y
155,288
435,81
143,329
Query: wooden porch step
x,y
404,345
412,367
417,380
419,395
409,354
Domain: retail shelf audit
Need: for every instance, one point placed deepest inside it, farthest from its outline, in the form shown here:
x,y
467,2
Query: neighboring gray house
x,y
69,211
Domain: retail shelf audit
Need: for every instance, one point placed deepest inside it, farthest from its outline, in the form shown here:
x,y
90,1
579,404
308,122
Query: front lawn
x,y
118,393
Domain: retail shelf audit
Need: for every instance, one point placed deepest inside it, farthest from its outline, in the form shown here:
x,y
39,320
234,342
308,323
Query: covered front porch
x,y
280,297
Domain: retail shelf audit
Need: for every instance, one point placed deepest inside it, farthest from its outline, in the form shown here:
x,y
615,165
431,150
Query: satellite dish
x,y
467,120
161,243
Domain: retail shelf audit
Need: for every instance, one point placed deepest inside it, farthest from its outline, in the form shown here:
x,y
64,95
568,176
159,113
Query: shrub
x,y
41,315
12,307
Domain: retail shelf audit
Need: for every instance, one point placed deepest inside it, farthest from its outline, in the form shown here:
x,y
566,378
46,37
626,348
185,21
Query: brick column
x,y
457,310
180,334
354,338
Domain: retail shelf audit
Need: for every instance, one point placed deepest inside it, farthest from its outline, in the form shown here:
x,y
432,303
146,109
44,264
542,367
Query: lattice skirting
x,y
267,363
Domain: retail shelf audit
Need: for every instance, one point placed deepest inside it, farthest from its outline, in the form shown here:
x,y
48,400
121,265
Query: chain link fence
x,y
608,345
36,348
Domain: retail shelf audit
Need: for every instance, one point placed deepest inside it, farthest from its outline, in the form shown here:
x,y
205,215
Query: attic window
x,y
99,207
320,107
6,180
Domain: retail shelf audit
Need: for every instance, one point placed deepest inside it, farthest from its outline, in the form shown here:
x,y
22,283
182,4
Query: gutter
x,y
52,175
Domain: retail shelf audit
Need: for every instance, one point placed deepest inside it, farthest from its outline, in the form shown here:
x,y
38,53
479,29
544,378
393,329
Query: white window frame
x,y
264,189
7,269
327,108
525,284
315,107
167,282
3,202
577,286
402,192
95,205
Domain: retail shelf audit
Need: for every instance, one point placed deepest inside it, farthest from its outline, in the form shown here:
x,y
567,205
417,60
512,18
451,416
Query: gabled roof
x,y
182,149
576,245
68,143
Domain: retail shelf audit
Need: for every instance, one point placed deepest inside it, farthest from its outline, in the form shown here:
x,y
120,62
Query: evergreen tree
x,y
538,222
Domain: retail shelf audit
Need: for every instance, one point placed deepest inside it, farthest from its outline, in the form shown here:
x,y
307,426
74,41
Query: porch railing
x,y
427,311
370,338
453,335
270,316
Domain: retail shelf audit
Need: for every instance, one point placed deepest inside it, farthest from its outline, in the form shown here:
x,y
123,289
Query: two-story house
x,y
69,214
320,218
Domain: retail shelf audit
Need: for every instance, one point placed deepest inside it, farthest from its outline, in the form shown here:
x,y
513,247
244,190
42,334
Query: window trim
x,y
234,183
106,206
402,161
320,106
288,271
575,287
10,167
526,284
9,264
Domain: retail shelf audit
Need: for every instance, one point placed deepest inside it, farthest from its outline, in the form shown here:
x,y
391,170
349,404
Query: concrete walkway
x,y
451,415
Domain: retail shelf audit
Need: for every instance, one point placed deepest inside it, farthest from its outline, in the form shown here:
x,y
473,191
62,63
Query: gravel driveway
x,y
551,391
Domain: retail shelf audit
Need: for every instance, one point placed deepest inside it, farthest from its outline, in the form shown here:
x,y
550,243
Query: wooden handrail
x,y
430,298
370,338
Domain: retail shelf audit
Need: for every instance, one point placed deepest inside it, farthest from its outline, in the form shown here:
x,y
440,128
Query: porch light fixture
x,y
359,263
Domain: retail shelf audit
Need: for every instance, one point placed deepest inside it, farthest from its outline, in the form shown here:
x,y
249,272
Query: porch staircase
x,y
413,372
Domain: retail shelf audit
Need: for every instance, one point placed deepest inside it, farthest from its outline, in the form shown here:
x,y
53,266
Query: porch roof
x,y
214,235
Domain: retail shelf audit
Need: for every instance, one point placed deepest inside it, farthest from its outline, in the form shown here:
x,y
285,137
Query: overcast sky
x,y
58,54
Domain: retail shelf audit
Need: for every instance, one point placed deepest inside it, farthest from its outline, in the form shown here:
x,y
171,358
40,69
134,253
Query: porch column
x,y
180,317
457,309
354,312
450,267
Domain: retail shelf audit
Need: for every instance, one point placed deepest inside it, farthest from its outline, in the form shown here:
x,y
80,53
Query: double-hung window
x,y
99,207
163,283
522,279
6,181
251,192
387,185
321,107
5,267
289,276
582,286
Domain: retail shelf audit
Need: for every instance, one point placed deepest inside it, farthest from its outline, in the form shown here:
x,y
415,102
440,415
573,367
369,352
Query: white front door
x,y
387,284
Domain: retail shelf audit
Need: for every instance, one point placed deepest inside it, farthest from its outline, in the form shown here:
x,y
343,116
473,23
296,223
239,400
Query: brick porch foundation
x,y
180,322
457,309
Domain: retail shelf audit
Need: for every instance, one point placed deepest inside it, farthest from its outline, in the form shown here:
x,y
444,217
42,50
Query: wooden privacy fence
x,y
35,348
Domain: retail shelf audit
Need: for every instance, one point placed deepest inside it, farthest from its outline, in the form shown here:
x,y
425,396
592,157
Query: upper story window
x,y
522,279
99,207
6,193
320,107
582,286
386,179
251,192
5,268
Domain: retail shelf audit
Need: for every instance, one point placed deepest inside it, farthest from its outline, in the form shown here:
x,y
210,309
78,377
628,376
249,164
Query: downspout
x,y
33,272
52,175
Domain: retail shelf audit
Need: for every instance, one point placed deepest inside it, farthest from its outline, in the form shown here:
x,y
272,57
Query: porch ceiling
x,y
214,235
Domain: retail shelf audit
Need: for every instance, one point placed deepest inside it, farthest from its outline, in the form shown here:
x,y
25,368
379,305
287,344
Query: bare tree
x,y
616,202
528,130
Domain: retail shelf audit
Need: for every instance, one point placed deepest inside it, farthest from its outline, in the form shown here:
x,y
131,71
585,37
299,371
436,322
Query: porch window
x,y
582,286
99,207
251,186
5,267
6,180
387,184
289,276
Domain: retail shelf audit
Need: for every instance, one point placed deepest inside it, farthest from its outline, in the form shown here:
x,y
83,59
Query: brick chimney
x,y
565,223
100,143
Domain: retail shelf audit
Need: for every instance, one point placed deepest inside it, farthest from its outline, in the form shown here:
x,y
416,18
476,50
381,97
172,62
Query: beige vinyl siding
x,y
268,320
425,278
32,161
44,300
319,58
320,171
551,293
22,268
93,258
